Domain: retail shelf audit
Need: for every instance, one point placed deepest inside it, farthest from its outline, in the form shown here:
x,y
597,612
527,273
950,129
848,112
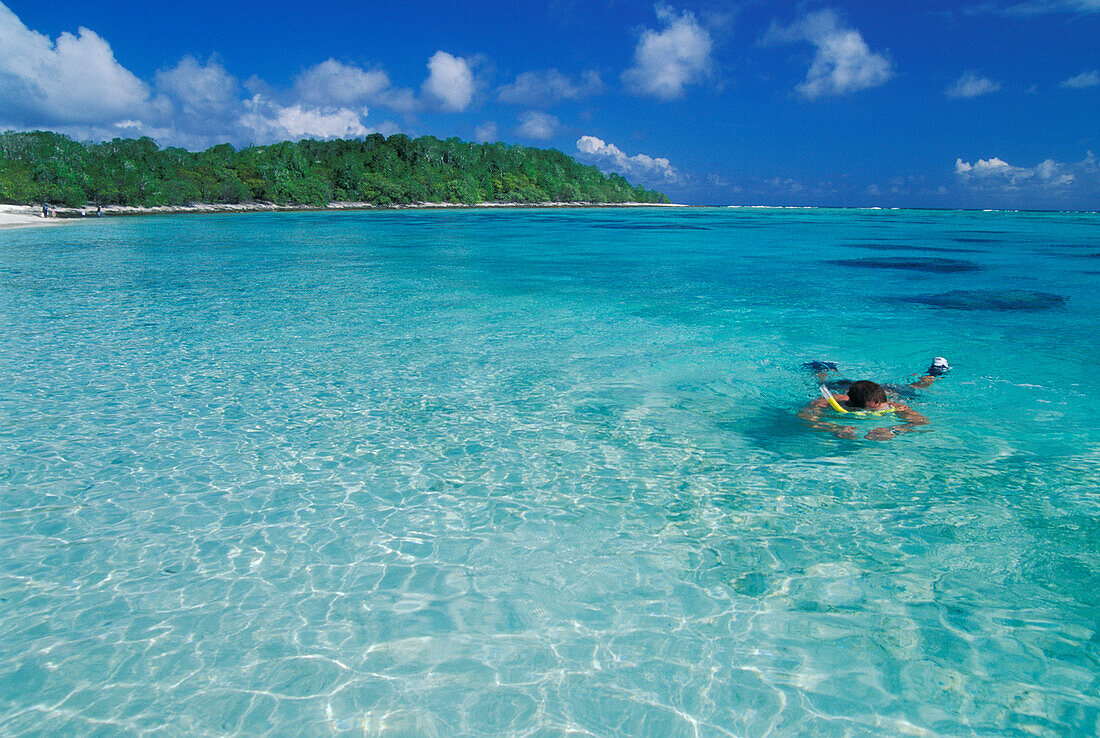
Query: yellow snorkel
x,y
831,400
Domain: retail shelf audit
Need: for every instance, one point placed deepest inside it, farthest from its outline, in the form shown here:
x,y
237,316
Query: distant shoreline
x,y
15,216
24,216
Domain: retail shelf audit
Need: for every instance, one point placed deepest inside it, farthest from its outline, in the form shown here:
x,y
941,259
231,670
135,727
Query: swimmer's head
x,y
866,394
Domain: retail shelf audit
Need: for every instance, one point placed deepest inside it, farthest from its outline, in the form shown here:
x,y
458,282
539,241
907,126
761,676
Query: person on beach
x,y
865,398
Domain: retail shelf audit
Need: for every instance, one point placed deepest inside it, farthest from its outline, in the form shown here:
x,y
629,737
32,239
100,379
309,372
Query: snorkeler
x,y
867,399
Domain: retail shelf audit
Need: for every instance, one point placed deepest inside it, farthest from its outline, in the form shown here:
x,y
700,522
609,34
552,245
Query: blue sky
x,y
986,104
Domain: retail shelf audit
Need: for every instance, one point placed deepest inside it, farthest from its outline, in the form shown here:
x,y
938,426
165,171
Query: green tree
x,y
43,166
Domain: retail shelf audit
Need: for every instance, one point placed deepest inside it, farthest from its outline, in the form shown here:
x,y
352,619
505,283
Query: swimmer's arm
x,y
911,417
812,415
913,421
924,382
812,411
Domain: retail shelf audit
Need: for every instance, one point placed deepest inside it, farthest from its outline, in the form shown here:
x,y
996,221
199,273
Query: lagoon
x,y
531,472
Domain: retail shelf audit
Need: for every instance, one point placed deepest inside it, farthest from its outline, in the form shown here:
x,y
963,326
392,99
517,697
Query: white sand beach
x,y
23,216
15,216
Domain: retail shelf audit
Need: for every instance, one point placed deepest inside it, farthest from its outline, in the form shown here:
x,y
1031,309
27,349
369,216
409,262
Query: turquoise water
x,y
539,473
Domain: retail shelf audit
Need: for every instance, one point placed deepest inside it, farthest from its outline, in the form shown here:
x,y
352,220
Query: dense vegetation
x,y
44,167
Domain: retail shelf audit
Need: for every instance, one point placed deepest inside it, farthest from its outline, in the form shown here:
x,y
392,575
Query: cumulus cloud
x,y
984,168
971,85
717,180
999,174
334,83
270,121
75,85
450,81
549,87
537,124
486,132
324,102
1082,80
640,166
73,80
785,185
667,61
200,89
1038,7
399,99
842,64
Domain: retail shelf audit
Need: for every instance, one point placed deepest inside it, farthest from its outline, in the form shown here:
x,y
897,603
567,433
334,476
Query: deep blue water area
x,y
540,472
918,264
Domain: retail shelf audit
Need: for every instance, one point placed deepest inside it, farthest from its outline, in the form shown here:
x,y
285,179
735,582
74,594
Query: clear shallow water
x,y
534,472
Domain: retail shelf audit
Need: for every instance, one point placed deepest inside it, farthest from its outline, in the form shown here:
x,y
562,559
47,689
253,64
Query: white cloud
x,y
321,104
641,166
999,174
971,85
843,63
334,83
269,121
200,88
400,99
486,132
549,87
785,184
75,80
666,61
1082,80
1037,7
537,124
450,81
984,167
76,86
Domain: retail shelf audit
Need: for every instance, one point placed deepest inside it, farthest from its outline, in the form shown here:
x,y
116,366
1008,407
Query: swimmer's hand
x,y
917,424
846,431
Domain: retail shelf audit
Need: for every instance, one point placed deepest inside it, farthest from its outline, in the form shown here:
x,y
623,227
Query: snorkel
x,y
831,400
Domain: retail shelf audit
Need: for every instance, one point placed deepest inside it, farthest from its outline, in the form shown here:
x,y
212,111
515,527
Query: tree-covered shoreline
x,y
43,167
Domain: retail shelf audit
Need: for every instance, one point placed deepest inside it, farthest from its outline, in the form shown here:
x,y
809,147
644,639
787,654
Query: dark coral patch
x,y
937,266
649,226
998,300
906,247
1052,246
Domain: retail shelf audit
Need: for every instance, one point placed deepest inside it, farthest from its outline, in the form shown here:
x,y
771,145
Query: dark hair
x,y
865,392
